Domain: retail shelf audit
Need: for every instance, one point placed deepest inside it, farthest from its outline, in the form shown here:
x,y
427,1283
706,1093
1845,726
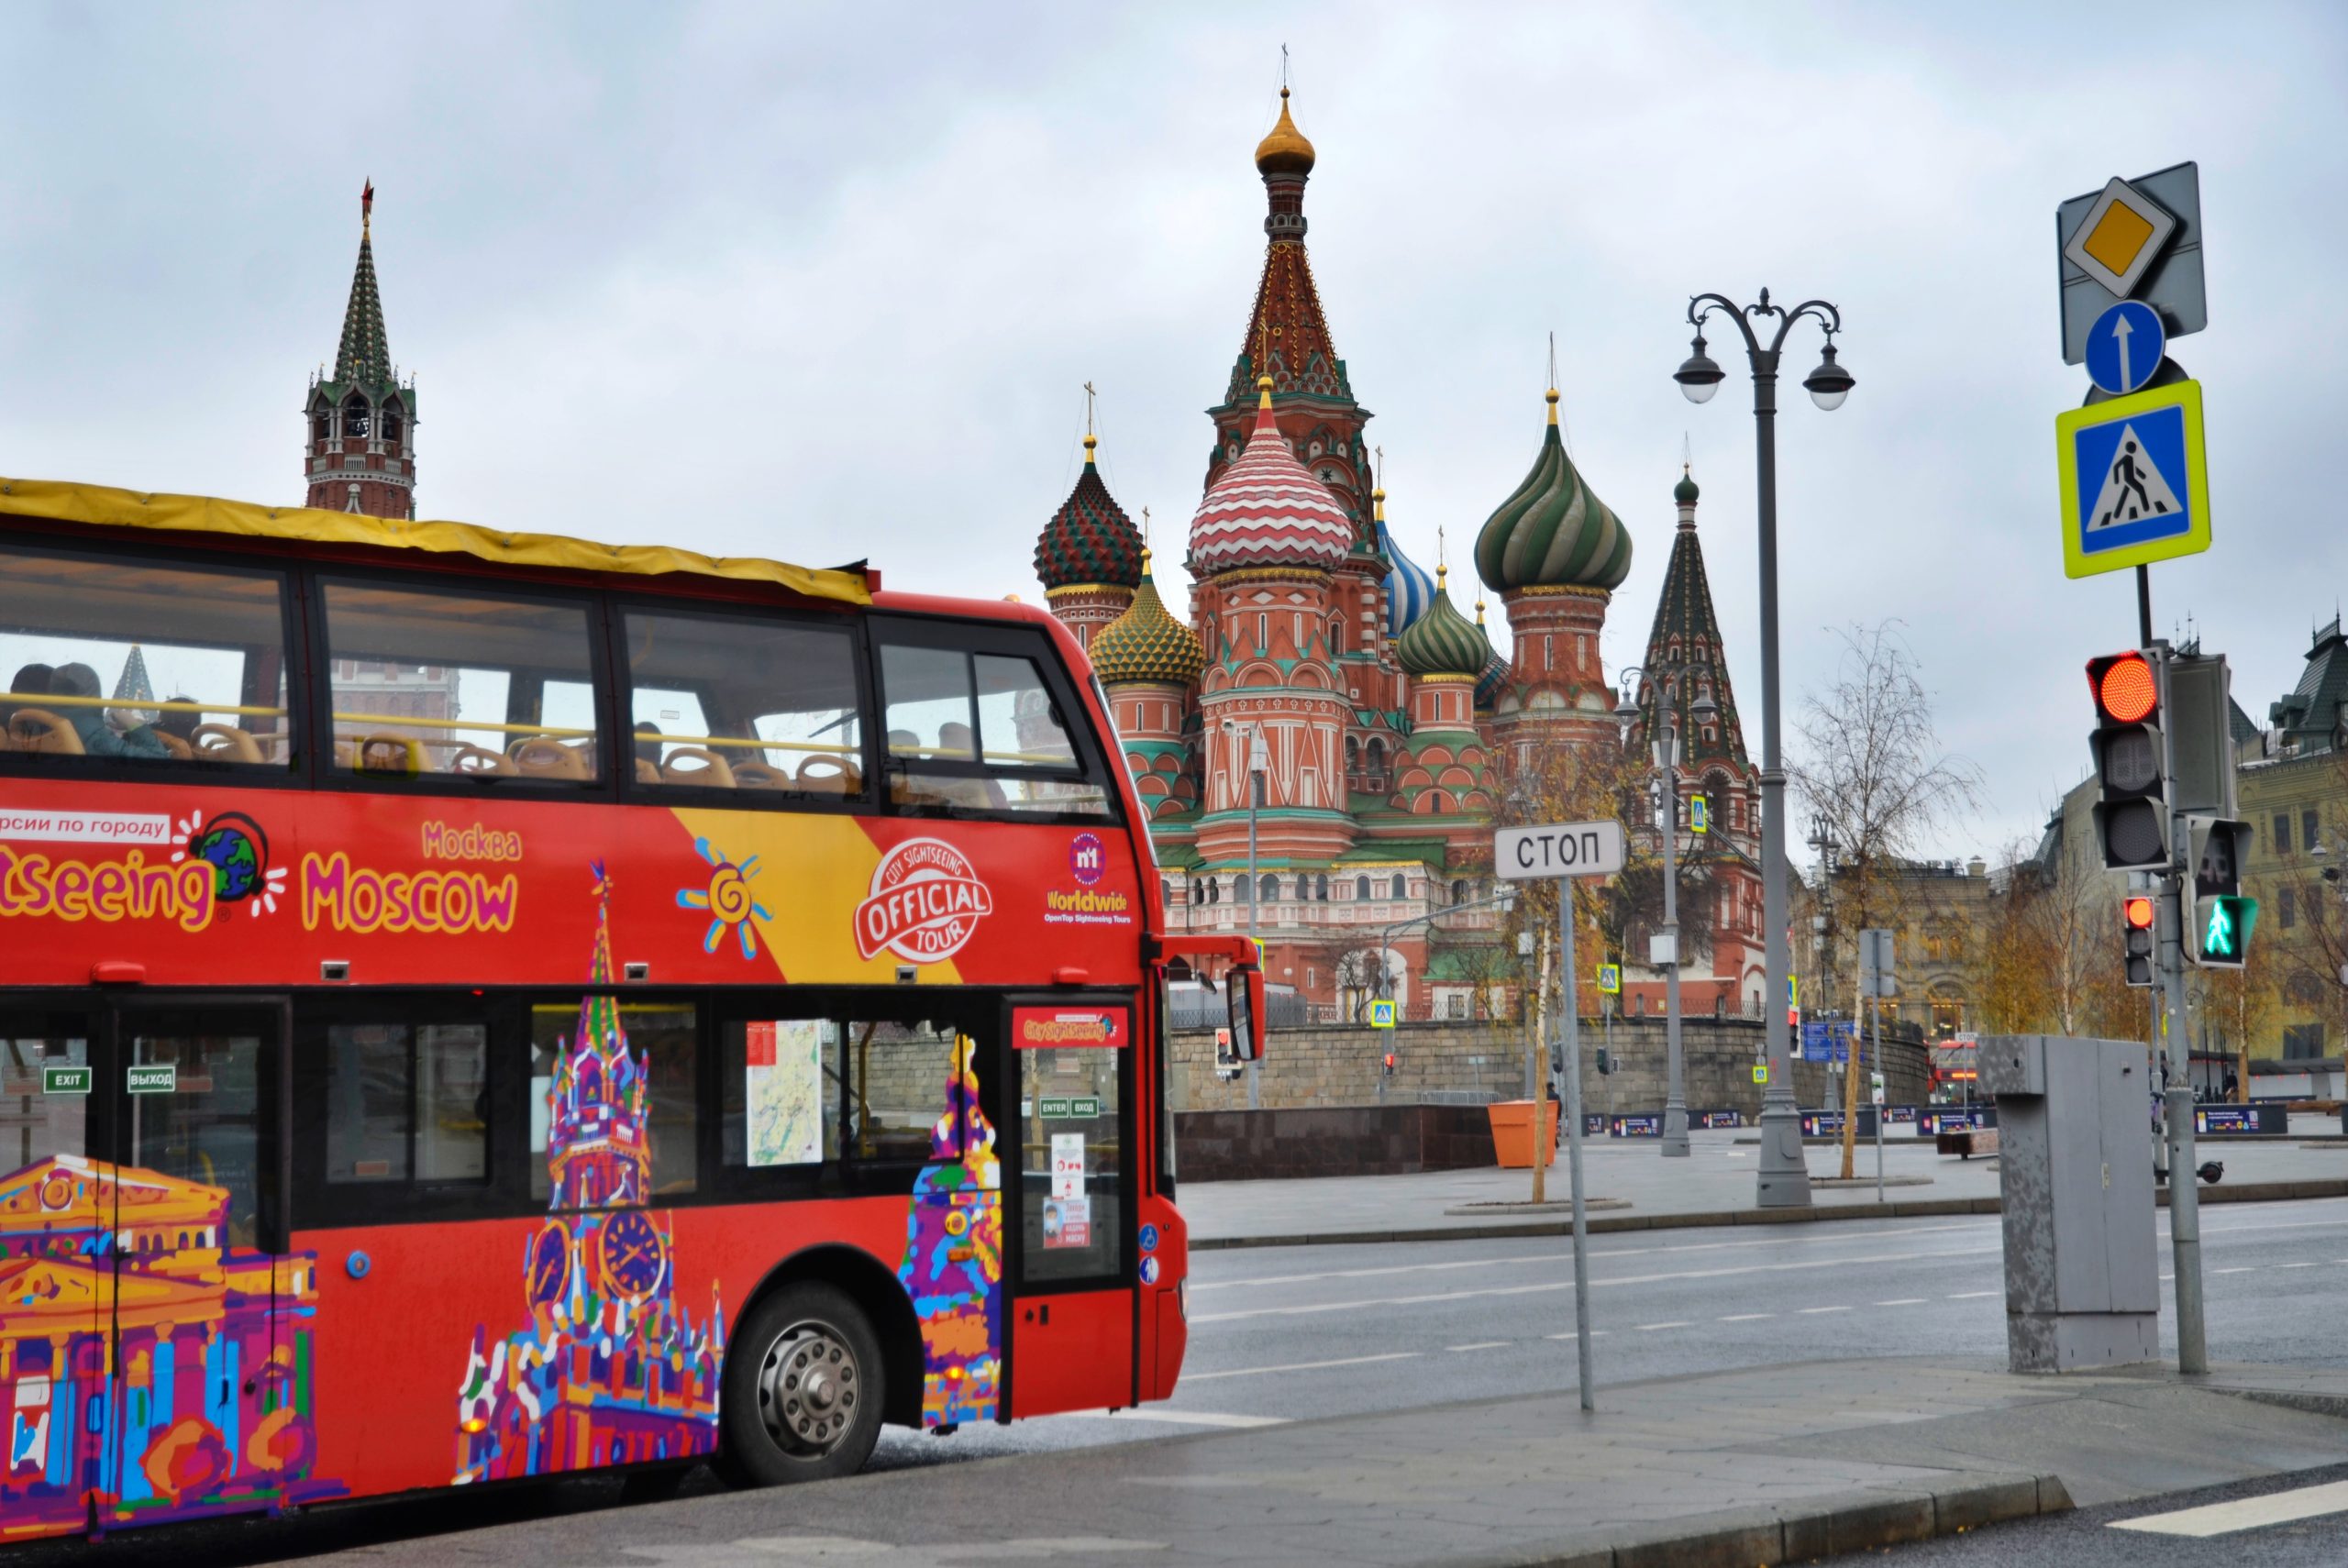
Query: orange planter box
x,y
1513,1132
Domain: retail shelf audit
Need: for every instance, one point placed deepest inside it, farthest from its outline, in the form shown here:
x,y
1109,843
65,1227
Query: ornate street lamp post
x,y
1663,747
1784,1176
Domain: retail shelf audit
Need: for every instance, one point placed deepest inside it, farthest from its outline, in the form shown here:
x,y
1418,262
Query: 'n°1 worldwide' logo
x,y
1087,858
926,902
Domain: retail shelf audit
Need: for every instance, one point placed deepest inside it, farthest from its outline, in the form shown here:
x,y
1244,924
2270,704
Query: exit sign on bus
x,y
65,1080
160,1079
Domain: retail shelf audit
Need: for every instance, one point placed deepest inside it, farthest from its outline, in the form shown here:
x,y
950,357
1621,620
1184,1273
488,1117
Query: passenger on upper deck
x,y
104,731
33,681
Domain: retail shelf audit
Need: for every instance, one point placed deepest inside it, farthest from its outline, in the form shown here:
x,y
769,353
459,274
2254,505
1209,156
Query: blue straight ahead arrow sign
x,y
2124,347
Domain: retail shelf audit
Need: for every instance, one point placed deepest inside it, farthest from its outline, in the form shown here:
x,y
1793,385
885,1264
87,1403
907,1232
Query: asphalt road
x,y
1289,1334
2096,1538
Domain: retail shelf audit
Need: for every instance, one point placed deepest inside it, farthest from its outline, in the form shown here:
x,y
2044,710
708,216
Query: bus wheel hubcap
x,y
807,1390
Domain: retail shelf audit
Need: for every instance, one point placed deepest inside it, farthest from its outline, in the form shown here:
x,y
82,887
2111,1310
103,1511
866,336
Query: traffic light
x,y
2130,763
1386,1069
2136,910
2218,920
1605,1060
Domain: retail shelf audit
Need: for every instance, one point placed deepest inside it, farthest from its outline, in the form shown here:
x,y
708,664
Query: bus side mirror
x,y
1245,991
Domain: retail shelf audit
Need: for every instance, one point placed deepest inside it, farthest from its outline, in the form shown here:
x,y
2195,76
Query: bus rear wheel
x,y
803,1389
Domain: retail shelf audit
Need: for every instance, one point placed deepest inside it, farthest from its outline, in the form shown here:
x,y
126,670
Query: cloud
x,y
824,283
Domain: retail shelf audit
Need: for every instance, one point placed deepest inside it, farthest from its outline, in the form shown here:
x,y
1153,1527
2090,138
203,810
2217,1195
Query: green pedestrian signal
x,y
2225,932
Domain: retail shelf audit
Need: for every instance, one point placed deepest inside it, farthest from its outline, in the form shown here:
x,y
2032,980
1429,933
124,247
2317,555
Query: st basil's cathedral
x,y
1389,727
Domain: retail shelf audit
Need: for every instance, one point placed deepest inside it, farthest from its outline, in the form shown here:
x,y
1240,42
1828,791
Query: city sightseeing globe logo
x,y
926,902
233,845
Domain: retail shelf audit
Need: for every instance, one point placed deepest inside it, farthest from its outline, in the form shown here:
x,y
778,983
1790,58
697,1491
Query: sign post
x,y
1560,852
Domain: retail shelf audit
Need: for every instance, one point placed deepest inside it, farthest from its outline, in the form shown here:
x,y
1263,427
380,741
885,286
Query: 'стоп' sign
x,y
1558,849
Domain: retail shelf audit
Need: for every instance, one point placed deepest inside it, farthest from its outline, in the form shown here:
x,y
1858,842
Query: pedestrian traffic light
x,y
2222,935
2131,812
2137,938
2217,918
1605,1060
1387,1068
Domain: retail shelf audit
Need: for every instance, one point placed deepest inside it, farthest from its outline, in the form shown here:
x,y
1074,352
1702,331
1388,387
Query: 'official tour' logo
x,y
927,902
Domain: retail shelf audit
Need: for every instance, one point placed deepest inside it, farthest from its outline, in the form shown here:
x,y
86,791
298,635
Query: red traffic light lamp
x,y
2126,690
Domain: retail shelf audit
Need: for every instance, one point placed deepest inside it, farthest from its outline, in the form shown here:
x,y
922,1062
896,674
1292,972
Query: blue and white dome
x,y
1409,588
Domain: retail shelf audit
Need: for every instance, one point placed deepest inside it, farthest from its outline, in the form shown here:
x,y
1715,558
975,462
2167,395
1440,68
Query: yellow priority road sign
x,y
2134,480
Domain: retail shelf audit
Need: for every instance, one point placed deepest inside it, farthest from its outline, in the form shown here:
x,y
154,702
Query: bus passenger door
x,y
55,1279
209,1410
1072,1325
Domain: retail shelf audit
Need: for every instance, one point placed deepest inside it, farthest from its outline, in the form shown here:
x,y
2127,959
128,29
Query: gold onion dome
x,y
1552,533
1146,644
1285,150
1442,641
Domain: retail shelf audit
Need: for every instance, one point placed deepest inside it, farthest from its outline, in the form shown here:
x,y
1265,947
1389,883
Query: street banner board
x,y
2134,480
1558,849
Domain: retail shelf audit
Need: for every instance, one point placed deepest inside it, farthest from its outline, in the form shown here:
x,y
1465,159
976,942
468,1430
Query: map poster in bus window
x,y
782,1091
1036,1028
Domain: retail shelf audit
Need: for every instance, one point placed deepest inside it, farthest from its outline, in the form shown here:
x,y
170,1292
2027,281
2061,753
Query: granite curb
x,y
1607,1224
1867,1520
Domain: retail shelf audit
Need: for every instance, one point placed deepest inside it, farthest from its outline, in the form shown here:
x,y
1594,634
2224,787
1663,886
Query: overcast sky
x,y
824,283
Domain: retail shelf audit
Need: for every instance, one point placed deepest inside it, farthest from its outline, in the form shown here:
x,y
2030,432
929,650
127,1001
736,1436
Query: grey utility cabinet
x,y
2076,1164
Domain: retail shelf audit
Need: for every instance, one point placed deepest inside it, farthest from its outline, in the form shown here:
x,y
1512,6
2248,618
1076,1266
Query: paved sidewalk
x,y
1766,1466
1714,1186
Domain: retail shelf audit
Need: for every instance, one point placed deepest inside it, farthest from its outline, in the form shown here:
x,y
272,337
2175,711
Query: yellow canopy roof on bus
x,y
97,504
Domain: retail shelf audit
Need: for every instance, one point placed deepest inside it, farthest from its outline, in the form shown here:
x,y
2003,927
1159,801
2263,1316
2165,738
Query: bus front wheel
x,y
803,1389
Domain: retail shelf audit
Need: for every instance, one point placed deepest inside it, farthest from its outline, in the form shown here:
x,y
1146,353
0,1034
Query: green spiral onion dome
x,y
1089,540
1552,533
1442,641
1146,644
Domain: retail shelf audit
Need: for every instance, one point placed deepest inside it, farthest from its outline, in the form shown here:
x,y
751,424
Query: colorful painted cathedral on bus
x,y
1391,726
610,1368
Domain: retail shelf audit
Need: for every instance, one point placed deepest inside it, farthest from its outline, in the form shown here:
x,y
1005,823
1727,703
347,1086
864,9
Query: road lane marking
x,y
1187,1418
2298,1266
1300,1366
1903,1301
1354,1304
1479,1344
1383,1270
1594,1333
2238,1269
1973,1295
1746,1317
1813,1311
1655,1328
2244,1513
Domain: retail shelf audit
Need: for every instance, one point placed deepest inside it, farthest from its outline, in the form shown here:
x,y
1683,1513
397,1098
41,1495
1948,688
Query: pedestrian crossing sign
x,y
2134,480
1610,979
1381,1015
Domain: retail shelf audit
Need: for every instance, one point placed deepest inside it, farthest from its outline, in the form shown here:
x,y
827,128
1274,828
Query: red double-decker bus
x,y
477,1006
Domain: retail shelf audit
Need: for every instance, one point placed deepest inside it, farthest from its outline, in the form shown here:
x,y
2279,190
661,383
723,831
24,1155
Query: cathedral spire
x,y
361,454
365,355
1687,631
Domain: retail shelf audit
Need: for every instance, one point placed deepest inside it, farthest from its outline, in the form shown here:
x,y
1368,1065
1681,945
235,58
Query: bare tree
x,y
1871,772
2050,957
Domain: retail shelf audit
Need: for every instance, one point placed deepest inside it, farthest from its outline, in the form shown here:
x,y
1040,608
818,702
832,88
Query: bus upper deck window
x,y
141,663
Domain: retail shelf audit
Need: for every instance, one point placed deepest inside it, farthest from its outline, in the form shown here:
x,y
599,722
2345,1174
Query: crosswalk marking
x,y
2246,1513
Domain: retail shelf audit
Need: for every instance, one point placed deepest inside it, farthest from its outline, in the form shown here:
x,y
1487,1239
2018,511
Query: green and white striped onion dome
x,y
1552,533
